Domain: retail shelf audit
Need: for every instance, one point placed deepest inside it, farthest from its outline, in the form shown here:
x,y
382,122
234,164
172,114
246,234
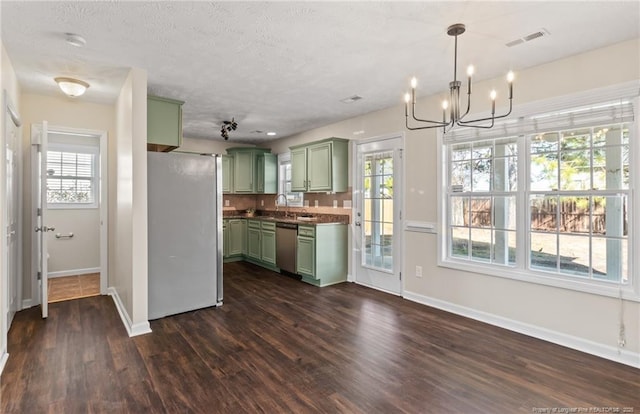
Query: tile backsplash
x,y
324,201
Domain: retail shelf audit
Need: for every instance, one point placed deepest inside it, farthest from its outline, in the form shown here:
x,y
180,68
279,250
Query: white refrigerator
x,y
185,232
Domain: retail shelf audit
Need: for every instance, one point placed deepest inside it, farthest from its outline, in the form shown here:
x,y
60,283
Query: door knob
x,y
357,223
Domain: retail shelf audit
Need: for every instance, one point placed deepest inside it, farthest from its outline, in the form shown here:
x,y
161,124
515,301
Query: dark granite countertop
x,y
295,218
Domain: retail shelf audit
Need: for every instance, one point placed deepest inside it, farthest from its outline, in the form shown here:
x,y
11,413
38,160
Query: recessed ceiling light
x,y
271,133
75,40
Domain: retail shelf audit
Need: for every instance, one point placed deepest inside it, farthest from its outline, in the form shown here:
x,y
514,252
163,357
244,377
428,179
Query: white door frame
x,y
399,215
103,206
14,281
10,119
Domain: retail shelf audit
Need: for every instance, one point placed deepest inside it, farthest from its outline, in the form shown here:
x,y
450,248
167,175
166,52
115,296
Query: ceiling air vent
x,y
351,99
528,38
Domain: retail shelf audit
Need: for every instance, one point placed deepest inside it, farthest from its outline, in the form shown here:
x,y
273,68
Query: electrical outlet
x,y
335,203
418,271
226,203
315,203
261,203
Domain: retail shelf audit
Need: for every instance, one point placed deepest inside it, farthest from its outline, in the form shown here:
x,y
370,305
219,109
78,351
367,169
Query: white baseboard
x,y
26,303
612,353
132,329
3,361
73,272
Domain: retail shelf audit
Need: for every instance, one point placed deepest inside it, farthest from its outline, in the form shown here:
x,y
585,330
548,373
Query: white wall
x,y
62,112
582,320
129,220
80,252
9,82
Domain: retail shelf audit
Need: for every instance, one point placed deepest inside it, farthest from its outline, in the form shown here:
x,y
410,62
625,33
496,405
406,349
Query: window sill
x,y
602,289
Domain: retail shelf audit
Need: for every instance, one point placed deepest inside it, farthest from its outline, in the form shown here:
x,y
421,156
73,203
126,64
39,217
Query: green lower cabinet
x,y
306,256
322,254
268,244
233,239
261,243
253,243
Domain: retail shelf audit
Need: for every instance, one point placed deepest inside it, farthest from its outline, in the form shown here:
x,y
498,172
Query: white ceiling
x,y
286,66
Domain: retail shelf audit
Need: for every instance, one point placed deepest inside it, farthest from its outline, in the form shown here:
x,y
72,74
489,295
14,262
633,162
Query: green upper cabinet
x,y
255,171
164,124
243,172
267,173
227,174
320,166
299,169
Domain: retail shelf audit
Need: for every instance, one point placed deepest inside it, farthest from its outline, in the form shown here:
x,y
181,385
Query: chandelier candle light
x,y
453,104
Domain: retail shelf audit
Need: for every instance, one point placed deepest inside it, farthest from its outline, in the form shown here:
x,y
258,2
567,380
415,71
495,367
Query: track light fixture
x,y
453,105
228,126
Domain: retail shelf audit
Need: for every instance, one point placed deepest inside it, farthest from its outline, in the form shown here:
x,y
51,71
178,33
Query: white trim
x,y
132,330
73,272
3,361
27,303
609,352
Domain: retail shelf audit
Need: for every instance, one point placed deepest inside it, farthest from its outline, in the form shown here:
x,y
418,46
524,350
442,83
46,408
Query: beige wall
x,y
582,316
9,82
80,252
129,221
58,111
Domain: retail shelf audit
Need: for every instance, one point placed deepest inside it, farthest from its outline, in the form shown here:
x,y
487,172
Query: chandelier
x,y
456,117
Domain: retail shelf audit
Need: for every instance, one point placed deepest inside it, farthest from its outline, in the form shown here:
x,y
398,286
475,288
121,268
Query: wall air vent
x,y
535,35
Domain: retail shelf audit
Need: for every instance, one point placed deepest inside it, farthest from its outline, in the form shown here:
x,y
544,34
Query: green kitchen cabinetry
x,y
322,253
261,243
164,124
321,166
227,174
253,240
268,243
255,170
233,233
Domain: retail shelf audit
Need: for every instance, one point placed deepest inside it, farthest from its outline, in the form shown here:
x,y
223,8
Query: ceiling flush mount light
x,y
227,126
72,87
271,134
453,106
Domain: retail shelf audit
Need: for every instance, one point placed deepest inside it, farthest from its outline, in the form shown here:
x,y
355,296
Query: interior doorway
x,y
378,213
70,212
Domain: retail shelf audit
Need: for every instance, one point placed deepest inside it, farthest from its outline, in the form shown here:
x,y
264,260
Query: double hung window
x,y
72,176
545,198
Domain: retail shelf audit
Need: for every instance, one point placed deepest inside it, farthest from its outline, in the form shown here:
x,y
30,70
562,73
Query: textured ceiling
x,y
286,66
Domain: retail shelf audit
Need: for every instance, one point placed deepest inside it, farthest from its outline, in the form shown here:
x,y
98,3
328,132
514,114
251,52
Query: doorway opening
x,y
70,212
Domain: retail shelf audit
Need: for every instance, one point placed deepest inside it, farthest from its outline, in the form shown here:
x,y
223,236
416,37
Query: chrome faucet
x,y
286,203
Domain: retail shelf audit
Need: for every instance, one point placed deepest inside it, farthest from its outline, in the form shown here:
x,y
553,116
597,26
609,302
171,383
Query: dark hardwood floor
x,y
281,346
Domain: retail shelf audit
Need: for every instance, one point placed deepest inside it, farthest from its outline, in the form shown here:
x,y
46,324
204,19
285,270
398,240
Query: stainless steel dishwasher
x,y
286,241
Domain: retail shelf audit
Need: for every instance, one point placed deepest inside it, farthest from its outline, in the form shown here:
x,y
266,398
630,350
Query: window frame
x,y
95,179
284,159
522,271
